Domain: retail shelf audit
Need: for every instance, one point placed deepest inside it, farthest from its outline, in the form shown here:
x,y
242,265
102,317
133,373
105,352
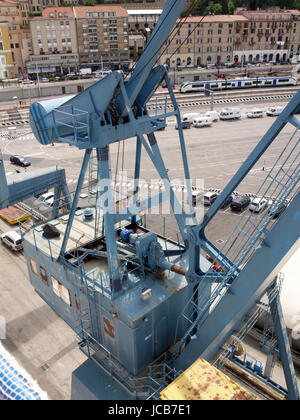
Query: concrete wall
x,y
44,90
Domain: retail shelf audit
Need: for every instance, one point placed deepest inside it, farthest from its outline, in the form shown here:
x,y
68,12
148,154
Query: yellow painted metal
x,y
202,381
13,215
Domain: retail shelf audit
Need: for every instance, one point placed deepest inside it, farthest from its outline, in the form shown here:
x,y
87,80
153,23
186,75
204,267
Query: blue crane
x,y
131,299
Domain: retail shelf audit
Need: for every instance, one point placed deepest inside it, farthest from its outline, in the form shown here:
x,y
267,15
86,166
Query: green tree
x,y
231,7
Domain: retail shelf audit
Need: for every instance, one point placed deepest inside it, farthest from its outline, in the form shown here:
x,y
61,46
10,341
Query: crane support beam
x,y
20,186
161,33
284,348
250,285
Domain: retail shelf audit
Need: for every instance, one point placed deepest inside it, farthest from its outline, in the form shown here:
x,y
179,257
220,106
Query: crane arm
x,y
170,14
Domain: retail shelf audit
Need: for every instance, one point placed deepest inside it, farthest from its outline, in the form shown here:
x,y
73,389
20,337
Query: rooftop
x,y
144,11
58,12
215,18
107,10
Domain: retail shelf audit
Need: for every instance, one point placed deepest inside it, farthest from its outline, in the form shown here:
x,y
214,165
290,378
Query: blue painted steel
x,y
123,307
125,235
279,245
284,347
258,367
18,187
75,201
249,362
4,192
160,34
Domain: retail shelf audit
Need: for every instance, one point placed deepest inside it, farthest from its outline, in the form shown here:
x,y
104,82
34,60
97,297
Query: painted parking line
x,y
35,154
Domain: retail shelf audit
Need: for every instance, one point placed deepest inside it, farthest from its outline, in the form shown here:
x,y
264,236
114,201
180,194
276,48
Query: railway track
x,y
220,98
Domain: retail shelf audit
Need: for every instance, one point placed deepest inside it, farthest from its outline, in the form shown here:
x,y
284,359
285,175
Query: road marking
x,y
35,154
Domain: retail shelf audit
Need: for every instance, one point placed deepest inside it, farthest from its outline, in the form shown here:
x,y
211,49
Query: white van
x,y
274,111
210,198
202,122
230,114
190,117
213,115
255,113
12,240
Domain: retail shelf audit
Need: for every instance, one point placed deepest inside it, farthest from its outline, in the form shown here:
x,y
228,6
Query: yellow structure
x,y
6,58
202,381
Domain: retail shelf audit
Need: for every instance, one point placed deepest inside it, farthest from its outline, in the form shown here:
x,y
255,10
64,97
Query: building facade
x,y
6,58
15,14
54,42
102,33
266,36
201,40
246,36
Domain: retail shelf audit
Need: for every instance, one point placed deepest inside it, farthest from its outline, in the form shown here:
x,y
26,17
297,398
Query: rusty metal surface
x,y
13,215
202,381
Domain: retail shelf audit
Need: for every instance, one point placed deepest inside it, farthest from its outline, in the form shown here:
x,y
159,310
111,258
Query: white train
x,y
238,84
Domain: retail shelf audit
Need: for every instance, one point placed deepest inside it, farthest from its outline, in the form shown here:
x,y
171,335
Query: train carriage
x,y
244,83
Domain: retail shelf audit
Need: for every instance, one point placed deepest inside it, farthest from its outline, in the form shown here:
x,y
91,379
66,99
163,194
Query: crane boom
x,y
159,36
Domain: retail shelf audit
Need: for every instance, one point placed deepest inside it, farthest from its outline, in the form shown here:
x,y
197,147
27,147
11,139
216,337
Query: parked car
x,y
255,113
20,161
240,203
27,82
12,240
258,204
209,198
278,211
46,196
230,114
184,124
213,115
274,111
72,76
44,80
202,122
49,202
228,201
190,117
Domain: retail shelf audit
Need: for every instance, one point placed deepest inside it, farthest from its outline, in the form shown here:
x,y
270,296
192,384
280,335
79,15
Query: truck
x,y
85,71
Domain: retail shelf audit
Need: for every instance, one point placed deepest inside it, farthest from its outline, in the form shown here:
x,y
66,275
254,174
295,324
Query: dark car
x,y
185,124
20,161
228,201
277,212
240,203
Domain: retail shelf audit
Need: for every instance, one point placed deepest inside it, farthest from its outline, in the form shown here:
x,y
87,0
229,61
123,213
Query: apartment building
x,y
6,58
54,42
102,33
68,38
201,40
266,36
14,13
246,36
36,7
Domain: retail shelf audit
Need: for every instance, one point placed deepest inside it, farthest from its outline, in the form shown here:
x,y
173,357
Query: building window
x,y
61,291
44,276
33,266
